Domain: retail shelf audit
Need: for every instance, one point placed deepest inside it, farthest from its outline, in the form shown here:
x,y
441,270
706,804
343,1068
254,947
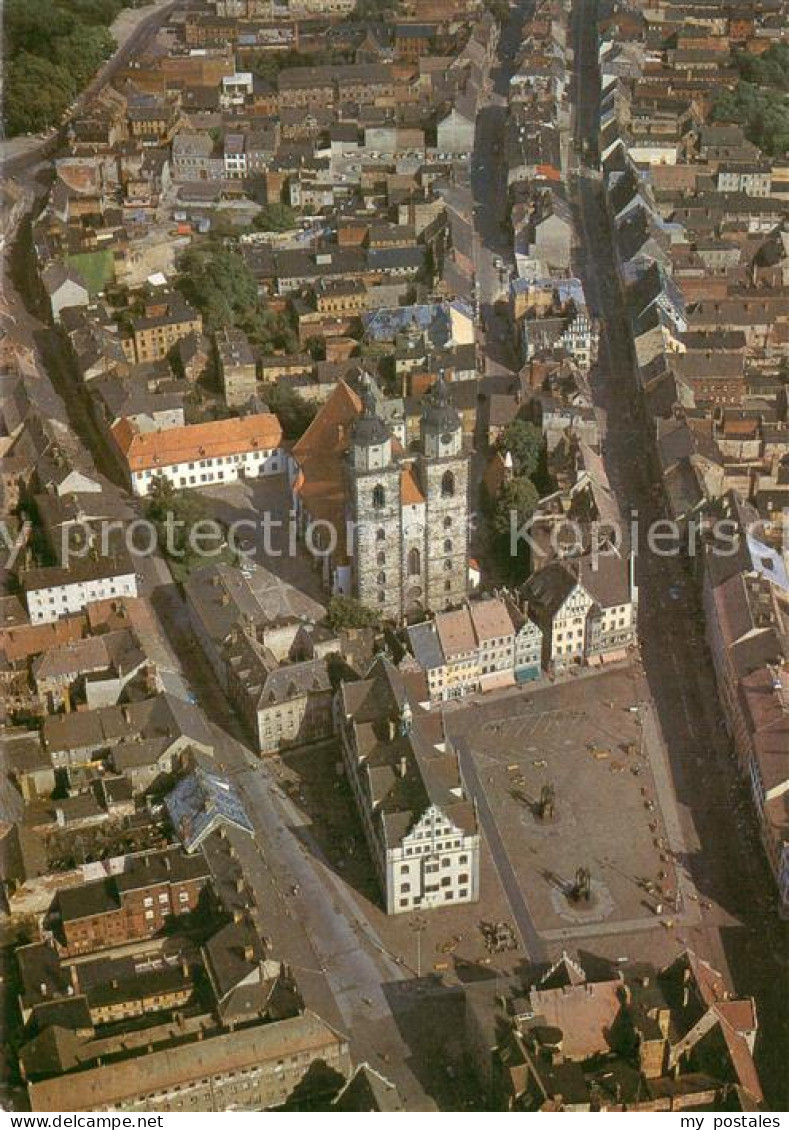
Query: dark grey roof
x,y
368,429
426,645
440,414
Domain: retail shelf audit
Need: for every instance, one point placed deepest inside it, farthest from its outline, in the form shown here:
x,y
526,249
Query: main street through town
x,y
493,255
725,859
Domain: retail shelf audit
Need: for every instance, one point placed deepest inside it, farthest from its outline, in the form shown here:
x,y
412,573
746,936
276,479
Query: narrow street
x,y
493,257
725,860
343,970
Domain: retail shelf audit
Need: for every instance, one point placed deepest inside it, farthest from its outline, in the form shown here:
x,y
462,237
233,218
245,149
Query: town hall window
x,y
380,535
381,559
448,485
447,545
414,563
379,497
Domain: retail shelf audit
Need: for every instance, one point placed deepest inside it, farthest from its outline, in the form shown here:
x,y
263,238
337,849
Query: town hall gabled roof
x,y
406,769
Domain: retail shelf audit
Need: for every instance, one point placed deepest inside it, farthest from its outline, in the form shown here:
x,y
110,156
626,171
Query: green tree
x,y
219,283
516,501
499,9
36,94
294,412
525,442
101,12
347,612
160,499
175,514
83,51
769,69
51,50
34,26
270,331
514,506
374,11
763,114
275,217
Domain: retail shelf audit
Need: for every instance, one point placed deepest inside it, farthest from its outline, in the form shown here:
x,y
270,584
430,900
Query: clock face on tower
x,y
446,439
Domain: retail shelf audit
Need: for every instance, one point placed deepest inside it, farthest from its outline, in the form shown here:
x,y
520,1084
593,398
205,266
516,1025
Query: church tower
x,y
376,508
444,477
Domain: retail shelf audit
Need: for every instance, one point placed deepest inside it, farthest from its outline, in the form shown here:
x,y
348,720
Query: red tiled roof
x,y
145,451
320,454
411,492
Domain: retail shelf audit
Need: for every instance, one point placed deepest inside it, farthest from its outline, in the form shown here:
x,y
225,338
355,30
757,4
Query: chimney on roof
x,y
238,915
402,767
239,884
168,863
74,974
249,953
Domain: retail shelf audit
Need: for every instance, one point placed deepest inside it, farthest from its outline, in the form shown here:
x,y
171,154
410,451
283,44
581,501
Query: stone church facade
x,y
402,517
409,515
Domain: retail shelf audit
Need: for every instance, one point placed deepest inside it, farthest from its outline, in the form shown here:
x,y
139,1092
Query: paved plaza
x,y
591,742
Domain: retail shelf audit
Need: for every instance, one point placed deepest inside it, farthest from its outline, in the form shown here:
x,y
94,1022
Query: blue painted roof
x,y
200,802
432,318
768,562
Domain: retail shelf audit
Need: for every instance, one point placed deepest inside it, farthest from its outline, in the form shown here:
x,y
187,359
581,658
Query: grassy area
x,y
97,268
181,568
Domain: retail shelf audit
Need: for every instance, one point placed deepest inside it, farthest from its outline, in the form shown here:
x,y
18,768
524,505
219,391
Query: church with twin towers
x,y
403,548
